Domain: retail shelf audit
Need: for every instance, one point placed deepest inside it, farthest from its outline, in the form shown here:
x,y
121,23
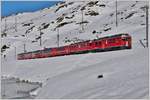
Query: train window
x,y
90,44
82,45
97,43
111,41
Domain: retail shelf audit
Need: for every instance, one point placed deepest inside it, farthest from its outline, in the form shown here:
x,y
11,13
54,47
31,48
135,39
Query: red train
x,y
115,42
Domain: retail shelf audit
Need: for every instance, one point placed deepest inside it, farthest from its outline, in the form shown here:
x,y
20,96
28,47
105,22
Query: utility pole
x,y
24,47
5,25
15,54
82,20
40,38
57,37
15,23
147,25
4,88
116,14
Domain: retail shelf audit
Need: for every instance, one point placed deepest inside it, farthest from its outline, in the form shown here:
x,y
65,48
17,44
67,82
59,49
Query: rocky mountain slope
x,y
125,72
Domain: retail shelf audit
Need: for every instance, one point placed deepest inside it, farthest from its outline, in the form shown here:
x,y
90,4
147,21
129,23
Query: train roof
x,y
116,35
45,49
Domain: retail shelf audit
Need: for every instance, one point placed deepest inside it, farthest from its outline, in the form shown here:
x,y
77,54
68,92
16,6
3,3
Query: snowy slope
x,y
75,76
120,80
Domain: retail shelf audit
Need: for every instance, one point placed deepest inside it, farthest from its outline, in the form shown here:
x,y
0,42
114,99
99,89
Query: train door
x,y
54,52
103,44
67,50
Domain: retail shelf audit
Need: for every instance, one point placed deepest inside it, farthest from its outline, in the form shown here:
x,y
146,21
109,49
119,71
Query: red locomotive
x,y
110,43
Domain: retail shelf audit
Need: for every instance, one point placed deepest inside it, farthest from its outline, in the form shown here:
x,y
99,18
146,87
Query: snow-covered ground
x,y
15,88
125,72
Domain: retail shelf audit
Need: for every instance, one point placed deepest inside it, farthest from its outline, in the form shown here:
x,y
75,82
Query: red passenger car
x,y
115,42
